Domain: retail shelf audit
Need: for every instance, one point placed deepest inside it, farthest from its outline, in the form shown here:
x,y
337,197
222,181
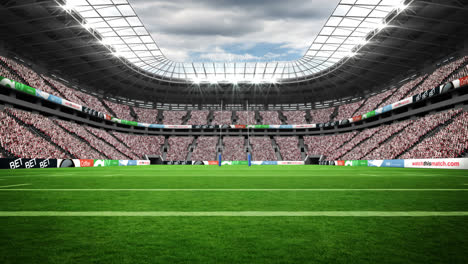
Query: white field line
x,y
230,176
15,185
237,190
236,213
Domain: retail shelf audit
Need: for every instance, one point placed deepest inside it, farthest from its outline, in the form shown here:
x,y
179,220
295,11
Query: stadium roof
x,y
350,27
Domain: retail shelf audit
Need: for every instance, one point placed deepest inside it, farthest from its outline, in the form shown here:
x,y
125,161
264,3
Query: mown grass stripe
x,y
234,214
237,190
15,185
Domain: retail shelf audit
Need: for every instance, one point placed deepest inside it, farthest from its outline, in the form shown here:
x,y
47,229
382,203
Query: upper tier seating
x,y
449,142
173,117
270,118
295,117
360,137
21,142
178,148
262,150
373,102
70,94
149,116
289,148
122,111
326,145
4,72
205,149
246,118
31,77
234,149
141,145
346,111
402,91
222,118
198,118
321,115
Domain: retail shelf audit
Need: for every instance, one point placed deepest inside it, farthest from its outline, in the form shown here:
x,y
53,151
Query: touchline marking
x,y
14,185
235,213
235,190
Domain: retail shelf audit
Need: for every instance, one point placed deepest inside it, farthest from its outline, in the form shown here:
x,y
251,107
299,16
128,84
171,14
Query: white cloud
x,y
183,28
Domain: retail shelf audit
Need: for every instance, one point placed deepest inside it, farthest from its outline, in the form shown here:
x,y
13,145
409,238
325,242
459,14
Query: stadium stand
x,y
178,148
222,118
69,93
109,139
289,148
295,117
321,115
326,145
385,132
122,111
205,149
59,136
270,118
262,150
22,142
31,77
198,118
401,92
351,143
6,73
234,149
374,101
246,117
173,117
410,135
141,145
450,142
149,116
347,110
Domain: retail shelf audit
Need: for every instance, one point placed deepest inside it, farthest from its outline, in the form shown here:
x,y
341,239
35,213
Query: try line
x,y
232,214
234,190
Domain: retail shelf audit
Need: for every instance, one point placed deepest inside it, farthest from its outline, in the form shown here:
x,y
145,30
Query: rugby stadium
x,y
319,131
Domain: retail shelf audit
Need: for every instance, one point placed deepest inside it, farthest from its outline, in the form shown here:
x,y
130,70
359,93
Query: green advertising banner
x,y
111,163
369,115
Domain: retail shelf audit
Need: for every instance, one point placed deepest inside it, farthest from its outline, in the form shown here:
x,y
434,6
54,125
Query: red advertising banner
x,y
86,163
357,118
340,163
240,126
213,162
463,81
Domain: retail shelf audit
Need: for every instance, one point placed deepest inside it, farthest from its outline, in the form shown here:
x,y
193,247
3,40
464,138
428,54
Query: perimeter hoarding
x,y
461,164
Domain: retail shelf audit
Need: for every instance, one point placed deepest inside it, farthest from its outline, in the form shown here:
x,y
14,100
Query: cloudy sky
x,y
233,30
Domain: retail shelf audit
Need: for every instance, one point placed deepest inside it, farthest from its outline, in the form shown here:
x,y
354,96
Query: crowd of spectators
x,y
205,149
463,72
373,102
104,135
401,92
438,76
178,148
92,102
141,145
326,145
21,142
198,117
289,148
58,135
173,117
222,118
295,117
410,136
68,93
31,77
234,149
321,115
4,72
375,141
262,149
360,137
145,115
270,118
449,142
246,118
121,111
347,111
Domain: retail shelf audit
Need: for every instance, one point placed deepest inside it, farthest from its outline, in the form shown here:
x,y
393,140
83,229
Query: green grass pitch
x,y
233,214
